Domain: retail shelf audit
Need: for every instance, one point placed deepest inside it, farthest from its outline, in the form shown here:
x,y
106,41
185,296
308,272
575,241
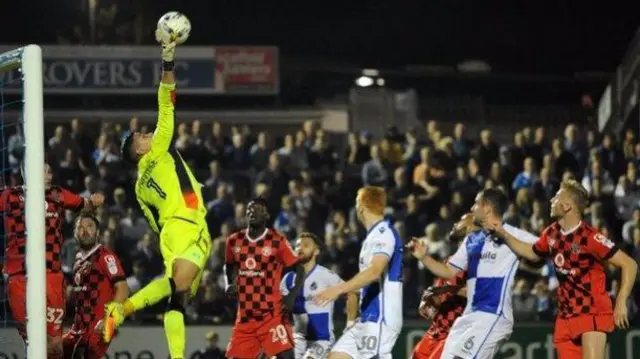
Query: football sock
x,y
175,332
151,294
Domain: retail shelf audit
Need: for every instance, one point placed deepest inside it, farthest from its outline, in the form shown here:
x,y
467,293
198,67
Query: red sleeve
x,y
541,247
71,200
112,268
4,197
228,251
600,246
286,254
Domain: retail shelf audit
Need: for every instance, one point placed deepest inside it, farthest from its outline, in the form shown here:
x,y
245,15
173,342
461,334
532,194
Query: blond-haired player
x,y
579,253
379,281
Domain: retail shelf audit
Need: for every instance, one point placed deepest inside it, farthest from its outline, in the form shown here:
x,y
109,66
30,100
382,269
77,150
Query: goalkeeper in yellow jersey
x,y
171,200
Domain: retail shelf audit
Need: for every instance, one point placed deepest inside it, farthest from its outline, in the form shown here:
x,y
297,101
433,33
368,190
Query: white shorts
x,y
476,335
311,349
367,340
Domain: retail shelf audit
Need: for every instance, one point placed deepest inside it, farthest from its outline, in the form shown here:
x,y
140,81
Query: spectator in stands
x,y
487,151
576,146
462,145
219,209
212,351
611,156
133,225
260,152
525,178
563,160
374,172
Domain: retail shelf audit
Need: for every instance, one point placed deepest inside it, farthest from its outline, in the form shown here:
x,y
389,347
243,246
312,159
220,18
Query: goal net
x,y
21,164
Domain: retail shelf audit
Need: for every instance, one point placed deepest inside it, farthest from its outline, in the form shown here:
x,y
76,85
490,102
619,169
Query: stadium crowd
x,y
310,184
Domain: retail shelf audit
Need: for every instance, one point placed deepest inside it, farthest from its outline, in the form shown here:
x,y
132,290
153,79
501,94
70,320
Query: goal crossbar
x,y
29,60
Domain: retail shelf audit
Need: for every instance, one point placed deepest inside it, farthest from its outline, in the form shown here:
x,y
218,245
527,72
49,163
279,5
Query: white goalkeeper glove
x,y
168,46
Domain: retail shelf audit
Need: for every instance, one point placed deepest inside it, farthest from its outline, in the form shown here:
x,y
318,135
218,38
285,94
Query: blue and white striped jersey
x,y
491,268
312,321
382,300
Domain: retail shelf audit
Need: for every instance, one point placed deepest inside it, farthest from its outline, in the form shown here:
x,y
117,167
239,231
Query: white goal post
x,y
29,60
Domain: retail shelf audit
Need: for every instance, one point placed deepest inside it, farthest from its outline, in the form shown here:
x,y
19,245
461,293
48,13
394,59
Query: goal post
x,y
28,60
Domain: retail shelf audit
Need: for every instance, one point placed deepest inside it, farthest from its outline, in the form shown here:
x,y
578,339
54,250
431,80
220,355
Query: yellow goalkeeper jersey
x,y
166,187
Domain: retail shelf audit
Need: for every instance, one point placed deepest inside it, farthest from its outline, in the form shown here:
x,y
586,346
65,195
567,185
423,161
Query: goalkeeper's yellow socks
x,y
151,294
175,332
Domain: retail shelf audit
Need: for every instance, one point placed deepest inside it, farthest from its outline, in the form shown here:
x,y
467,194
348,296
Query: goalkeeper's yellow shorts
x,y
184,239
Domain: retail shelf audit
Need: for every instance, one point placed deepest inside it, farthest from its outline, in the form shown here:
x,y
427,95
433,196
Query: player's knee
x,y
178,302
287,354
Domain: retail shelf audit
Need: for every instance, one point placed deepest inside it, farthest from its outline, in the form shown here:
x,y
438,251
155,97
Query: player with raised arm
x,y
171,199
313,324
579,254
380,283
443,302
491,267
97,279
12,206
255,259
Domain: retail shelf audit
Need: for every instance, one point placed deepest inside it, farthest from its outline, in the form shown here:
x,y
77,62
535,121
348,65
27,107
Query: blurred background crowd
x,y
309,178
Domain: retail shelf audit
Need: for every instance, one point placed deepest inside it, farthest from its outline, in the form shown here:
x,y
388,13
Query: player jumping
x,y
444,302
98,278
491,268
12,206
579,254
254,262
313,324
171,200
380,281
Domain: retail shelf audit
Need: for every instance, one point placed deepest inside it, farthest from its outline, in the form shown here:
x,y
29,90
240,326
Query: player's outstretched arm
x,y
418,249
519,247
165,127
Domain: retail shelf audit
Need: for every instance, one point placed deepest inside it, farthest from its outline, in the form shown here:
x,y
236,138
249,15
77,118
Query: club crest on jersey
x,y
266,251
468,345
236,249
313,286
250,263
559,260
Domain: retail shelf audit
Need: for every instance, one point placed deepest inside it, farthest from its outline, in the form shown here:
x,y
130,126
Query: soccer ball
x,y
173,26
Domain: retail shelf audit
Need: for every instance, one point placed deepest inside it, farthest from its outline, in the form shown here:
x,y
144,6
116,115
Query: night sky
x,y
512,36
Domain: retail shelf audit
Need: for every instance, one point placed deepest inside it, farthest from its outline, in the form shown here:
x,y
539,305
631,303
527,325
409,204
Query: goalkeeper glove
x,y
113,318
168,46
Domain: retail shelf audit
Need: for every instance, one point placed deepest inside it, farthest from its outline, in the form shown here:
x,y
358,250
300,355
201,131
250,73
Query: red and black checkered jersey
x,y
95,274
451,307
579,260
260,263
12,207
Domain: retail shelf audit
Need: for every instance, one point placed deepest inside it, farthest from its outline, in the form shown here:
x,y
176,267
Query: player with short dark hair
x,y
12,207
496,199
171,199
97,279
313,324
579,253
255,259
490,268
